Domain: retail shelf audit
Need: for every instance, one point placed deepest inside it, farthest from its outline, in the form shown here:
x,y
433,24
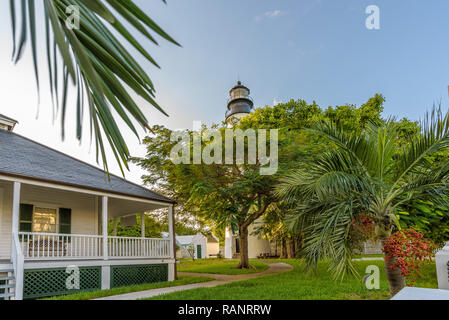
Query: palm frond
x,y
434,137
93,61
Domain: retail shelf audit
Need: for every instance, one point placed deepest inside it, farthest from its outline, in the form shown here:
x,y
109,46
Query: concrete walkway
x,y
275,267
369,259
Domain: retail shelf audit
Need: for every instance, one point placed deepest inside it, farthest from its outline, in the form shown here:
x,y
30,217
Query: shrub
x,y
408,249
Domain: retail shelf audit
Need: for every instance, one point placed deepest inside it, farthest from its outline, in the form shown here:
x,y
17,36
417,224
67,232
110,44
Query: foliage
x,y
94,61
155,223
220,195
191,251
408,249
298,147
427,217
365,174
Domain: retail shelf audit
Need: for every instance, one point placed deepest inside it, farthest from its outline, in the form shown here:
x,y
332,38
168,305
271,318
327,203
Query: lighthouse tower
x,y
240,103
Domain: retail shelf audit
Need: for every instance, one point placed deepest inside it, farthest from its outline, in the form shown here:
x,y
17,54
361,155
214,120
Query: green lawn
x,y
219,266
112,292
300,285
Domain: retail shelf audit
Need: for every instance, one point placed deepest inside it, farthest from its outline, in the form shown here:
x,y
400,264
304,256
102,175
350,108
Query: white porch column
x,y
171,230
172,236
142,225
105,277
104,220
16,207
18,260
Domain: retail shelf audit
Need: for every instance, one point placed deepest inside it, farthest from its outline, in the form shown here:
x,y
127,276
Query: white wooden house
x,y
54,214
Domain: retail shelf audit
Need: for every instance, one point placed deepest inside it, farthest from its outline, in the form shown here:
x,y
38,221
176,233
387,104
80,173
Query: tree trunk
x,y
395,279
290,249
298,246
243,240
283,249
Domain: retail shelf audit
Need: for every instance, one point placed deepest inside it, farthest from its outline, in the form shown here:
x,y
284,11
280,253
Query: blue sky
x,y
281,49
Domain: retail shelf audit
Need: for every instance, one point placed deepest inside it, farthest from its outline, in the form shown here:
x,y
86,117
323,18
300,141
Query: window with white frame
x,y
44,219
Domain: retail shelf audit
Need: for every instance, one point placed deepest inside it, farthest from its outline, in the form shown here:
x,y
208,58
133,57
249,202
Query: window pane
x,y
44,220
65,229
26,212
65,216
25,227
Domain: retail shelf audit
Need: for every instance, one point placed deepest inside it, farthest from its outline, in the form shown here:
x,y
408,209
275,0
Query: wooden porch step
x,y
6,270
6,296
7,278
10,285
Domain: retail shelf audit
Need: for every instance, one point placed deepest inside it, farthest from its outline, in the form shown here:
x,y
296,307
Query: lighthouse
x,y
240,103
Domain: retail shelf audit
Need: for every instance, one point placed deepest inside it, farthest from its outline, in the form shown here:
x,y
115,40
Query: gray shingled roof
x,y
7,118
25,158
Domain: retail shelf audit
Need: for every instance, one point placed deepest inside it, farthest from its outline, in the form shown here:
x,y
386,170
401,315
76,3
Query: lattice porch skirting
x,y
138,274
39,283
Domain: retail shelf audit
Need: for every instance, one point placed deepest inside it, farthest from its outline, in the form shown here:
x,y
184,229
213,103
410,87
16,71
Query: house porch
x,y
54,240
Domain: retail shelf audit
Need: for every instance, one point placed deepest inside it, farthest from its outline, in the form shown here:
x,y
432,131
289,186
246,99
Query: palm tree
x,y
90,58
365,174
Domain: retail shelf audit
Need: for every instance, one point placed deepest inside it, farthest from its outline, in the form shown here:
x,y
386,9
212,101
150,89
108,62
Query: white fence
x,y
50,246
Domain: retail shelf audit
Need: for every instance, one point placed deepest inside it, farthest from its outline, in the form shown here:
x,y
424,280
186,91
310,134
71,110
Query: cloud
x,y
273,14
270,15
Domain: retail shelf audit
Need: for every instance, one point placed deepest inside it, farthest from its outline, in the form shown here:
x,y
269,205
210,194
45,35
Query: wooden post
x,y
16,208
172,235
104,211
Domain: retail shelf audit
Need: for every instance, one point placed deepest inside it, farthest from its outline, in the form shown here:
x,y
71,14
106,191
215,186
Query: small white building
x,y
203,247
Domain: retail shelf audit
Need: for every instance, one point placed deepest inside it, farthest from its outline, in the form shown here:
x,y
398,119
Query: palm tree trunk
x,y
395,279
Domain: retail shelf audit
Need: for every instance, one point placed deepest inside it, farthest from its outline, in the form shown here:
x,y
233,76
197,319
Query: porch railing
x,y
50,246
124,247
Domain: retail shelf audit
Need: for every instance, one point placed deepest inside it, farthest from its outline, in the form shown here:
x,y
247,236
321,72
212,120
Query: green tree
x,y
94,61
236,195
364,175
220,195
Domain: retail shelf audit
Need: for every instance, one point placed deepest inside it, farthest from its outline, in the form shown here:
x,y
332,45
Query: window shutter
x,y
26,218
65,220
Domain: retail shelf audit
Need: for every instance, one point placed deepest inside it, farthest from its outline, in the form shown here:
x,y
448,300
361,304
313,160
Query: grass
x,y
122,290
219,266
298,284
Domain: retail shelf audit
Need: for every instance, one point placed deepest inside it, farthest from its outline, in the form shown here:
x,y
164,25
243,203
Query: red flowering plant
x,y
407,250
